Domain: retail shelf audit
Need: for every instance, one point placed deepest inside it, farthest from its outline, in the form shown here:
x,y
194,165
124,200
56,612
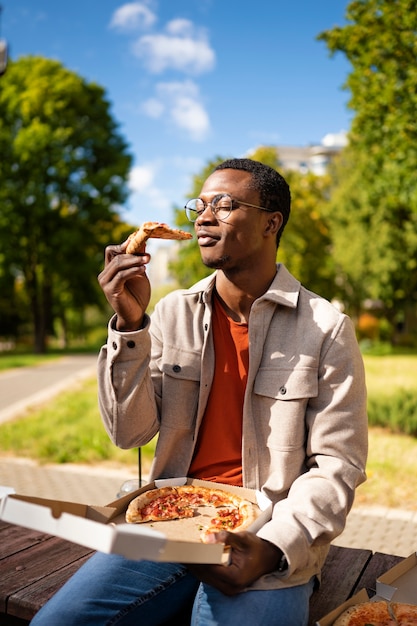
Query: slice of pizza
x,y
234,519
366,614
405,614
157,230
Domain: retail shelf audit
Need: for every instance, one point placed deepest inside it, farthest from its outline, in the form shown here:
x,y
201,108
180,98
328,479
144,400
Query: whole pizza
x,y
378,614
227,510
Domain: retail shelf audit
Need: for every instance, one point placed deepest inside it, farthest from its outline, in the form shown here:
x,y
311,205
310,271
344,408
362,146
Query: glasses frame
x,y
190,211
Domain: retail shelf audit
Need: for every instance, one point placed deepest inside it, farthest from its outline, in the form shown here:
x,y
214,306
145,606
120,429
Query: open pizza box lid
x,y
399,584
327,620
103,528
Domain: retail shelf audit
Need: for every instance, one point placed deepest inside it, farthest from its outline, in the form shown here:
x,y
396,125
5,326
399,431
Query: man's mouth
x,y
206,239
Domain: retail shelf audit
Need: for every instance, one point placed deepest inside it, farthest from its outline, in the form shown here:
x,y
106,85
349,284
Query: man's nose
x,y
206,215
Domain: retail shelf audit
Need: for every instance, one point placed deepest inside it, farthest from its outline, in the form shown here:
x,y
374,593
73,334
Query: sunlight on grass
x,y
10,361
67,430
385,375
391,470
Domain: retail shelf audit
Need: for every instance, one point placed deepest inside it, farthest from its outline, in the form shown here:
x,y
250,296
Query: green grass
x,y
10,361
67,430
387,374
391,471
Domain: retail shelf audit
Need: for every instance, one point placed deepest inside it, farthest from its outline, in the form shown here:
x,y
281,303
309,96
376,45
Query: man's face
x,y
239,242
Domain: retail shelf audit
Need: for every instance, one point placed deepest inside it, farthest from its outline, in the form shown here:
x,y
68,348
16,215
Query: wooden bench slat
x,y
379,564
341,572
34,563
26,602
14,539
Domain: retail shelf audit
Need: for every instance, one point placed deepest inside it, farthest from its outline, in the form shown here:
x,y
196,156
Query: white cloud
x,y
153,108
141,178
132,16
335,139
182,47
181,104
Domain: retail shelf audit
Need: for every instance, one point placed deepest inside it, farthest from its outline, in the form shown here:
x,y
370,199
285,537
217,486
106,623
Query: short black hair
x,y
274,191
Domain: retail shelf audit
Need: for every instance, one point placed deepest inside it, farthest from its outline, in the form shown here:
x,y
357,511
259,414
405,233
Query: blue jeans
x,y
109,589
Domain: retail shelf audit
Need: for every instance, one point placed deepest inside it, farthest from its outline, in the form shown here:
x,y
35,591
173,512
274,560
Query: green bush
x,y
397,412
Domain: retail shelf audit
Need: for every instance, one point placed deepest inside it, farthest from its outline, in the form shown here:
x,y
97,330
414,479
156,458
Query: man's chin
x,y
216,264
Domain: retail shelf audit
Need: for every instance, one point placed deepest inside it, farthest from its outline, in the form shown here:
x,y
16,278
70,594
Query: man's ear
x,y
274,223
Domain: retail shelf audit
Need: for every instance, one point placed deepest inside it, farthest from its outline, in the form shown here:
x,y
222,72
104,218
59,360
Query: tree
x,y
63,175
305,245
375,202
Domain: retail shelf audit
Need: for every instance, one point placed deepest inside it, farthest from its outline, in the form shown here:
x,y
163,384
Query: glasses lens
x,y
222,206
193,208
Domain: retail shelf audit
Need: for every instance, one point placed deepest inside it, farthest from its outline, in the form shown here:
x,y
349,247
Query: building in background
x,y
313,158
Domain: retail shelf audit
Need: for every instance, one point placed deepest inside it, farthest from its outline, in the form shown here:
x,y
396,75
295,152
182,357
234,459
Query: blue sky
x,y
190,80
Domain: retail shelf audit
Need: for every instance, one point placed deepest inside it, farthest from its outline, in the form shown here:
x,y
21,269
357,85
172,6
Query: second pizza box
x,y
398,584
103,528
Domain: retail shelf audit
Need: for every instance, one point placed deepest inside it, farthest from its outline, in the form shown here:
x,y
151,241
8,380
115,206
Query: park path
x,y
23,387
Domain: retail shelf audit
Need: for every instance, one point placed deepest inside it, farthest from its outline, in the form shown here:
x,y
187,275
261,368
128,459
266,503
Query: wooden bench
x,y
33,566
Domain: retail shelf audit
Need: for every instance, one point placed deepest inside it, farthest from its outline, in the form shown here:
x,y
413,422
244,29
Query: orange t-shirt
x,y
218,453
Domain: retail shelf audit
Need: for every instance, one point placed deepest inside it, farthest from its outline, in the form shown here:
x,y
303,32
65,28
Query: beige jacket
x,y
304,416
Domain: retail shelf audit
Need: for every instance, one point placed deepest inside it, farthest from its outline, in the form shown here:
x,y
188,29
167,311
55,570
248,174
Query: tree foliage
x,y
374,203
63,175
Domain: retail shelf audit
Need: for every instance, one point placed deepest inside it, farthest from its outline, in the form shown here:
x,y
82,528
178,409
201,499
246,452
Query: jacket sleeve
x,y
125,390
318,501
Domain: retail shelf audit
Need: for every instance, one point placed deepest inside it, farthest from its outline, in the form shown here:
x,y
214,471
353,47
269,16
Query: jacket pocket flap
x,y
180,363
287,384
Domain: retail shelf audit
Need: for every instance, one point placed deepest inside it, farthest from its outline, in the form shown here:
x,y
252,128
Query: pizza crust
x,y
157,230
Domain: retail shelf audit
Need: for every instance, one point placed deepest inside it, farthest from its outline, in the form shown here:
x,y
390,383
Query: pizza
x,y
157,230
232,512
378,614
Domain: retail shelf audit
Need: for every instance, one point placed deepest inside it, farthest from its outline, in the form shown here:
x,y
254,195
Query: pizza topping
x,y
167,507
169,503
226,519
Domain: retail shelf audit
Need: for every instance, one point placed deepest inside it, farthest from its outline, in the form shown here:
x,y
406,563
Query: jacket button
x,y
283,391
130,344
176,368
114,345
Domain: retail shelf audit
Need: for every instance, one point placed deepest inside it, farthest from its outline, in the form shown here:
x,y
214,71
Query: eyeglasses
x,y
221,206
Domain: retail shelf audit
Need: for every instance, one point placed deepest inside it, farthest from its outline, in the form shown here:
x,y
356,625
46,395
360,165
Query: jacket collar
x,y
284,288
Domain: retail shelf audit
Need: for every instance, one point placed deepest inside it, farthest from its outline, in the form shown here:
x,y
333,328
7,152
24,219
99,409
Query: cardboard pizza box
x,y
327,620
103,528
399,584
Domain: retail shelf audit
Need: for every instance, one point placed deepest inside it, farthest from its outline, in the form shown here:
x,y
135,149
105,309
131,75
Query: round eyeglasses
x,y
221,206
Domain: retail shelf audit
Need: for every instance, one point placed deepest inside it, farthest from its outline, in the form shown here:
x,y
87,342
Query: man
x,y
249,379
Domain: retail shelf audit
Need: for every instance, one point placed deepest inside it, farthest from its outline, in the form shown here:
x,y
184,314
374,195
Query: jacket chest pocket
x,y
281,397
181,371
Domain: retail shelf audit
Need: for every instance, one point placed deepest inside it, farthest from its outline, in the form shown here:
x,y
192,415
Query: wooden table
x,y
33,566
